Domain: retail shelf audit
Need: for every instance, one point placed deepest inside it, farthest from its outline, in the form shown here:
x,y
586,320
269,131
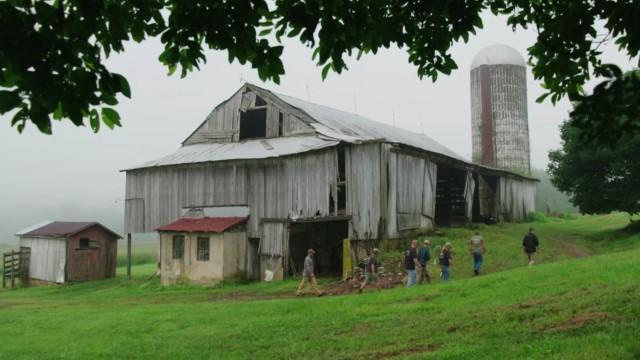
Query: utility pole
x,y
129,256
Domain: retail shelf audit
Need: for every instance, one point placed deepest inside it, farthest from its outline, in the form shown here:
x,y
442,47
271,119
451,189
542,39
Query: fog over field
x,y
75,175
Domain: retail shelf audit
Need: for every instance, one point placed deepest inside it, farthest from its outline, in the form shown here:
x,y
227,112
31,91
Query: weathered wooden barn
x,y
311,176
63,251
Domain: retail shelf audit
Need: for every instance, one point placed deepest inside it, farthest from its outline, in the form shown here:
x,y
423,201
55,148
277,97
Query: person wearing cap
x,y
309,274
477,249
370,269
423,258
411,263
446,262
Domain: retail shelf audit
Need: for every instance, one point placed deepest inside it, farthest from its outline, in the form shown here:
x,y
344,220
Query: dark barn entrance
x,y
450,202
325,237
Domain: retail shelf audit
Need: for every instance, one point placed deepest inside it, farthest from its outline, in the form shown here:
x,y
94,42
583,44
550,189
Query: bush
x,y
537,216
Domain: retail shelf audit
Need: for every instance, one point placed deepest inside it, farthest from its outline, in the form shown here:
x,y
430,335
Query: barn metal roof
x,y
353,128
249,149
203,224
62,229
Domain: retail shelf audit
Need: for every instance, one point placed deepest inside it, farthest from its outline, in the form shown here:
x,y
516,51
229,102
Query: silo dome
x,y
498,54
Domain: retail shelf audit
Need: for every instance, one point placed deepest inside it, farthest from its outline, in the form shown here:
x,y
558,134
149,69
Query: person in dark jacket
x,y
446,262
530,245
411,263
424,254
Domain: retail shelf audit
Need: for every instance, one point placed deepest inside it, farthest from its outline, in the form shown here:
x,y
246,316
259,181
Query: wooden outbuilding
x,y
312,176
202,250
63,251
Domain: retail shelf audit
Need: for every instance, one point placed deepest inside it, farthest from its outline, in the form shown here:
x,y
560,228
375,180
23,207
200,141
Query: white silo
x,y
499,123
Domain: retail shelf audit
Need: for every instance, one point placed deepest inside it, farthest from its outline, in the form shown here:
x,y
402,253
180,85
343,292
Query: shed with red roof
x,y
63,251
202,250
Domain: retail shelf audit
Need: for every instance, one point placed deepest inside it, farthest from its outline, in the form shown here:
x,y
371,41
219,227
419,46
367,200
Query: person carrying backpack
x,y
370,269
424,255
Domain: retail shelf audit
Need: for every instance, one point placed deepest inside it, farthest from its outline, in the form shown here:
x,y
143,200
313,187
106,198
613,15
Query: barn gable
x,y
250,113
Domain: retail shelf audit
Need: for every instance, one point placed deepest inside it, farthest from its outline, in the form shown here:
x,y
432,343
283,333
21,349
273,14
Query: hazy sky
x,y
74,174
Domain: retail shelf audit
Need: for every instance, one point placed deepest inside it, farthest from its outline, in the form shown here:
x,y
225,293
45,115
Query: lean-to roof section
x,y
246,150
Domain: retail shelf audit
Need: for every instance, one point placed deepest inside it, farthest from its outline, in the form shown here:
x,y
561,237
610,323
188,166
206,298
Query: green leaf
x,y
9,101
264,32
325,70
94,120
110,117
124,85
58,114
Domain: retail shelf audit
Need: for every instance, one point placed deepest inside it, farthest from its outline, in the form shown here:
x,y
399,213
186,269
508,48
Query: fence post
x,y
129,256
13,269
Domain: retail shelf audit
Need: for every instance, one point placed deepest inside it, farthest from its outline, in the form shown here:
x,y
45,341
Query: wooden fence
x,y
15,265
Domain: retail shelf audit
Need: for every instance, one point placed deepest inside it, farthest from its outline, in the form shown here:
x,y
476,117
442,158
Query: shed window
x,y
178,247
253,124
84,243
203,249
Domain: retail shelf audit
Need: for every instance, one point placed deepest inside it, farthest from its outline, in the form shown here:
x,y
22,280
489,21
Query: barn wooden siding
x,y
296,187
223,123
412,192
48,258
363,169
516,199
274,248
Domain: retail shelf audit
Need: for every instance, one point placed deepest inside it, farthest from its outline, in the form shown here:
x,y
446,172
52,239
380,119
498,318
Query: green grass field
x,y
579,302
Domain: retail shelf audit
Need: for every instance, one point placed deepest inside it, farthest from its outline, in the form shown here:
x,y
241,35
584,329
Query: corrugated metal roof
x,y
65,228
349,127
204,224
249,149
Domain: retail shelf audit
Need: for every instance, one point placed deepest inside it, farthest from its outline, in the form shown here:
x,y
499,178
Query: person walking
x,y
446,262
411,262
530,245
309,274
370,269
477,249
424,255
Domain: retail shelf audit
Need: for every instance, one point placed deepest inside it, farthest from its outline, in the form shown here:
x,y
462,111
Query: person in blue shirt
x,y
424,254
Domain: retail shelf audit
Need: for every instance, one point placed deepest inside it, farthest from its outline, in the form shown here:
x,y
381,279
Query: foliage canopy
x,y
599,179
52,52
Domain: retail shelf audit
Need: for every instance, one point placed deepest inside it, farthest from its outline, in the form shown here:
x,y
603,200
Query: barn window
x,y
253,124
203,249
342,182
280,124
260,101
178,247
84,243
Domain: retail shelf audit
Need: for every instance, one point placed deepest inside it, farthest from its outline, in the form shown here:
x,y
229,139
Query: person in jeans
x,y
411,262
477,249
309,274
423,258
446,262
370,269
530,245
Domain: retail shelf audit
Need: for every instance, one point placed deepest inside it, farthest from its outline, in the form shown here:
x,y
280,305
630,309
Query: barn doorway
x,y
253,259
488,198
325,237
450,201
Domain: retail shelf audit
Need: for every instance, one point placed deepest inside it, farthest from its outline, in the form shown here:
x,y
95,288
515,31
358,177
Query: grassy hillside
x,y
566,308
